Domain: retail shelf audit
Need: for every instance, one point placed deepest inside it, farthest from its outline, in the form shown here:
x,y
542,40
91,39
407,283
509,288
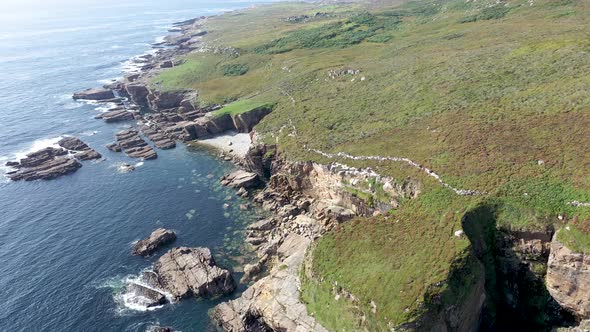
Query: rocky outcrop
x,y
162,100
158,238
245,122
50,163
116,115
95,94
300,196
81,149
568,279
137,93
240,179
160,139
153,298
134,146
45,164
192,271
272,303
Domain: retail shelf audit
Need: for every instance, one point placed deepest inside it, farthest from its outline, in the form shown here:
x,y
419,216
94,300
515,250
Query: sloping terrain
x,y
492,96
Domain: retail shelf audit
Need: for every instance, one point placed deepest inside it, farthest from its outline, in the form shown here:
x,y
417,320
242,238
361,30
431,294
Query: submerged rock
x,y
158,238
154,298
192,271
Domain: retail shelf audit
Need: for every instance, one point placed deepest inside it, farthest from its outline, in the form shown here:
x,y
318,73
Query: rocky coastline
x,y
305,201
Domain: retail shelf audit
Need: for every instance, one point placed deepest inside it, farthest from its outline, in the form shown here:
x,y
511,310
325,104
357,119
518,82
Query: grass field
x,y
492,96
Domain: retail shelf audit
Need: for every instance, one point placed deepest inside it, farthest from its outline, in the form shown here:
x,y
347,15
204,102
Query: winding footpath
x,y
429,172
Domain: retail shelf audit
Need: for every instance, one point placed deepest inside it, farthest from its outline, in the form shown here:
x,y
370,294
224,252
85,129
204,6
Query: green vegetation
x,y
574,239
389,261
488,13
236,69
491,97
241,106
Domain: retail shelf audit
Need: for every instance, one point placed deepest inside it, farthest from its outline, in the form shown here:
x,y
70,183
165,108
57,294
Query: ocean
x,y
65,244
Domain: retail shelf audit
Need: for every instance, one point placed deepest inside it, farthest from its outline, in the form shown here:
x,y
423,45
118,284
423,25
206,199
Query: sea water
x,y
65,244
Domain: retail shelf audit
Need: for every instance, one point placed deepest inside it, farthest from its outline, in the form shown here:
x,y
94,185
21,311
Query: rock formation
x,y
50,162
158,238
153,297
133,145
116,115
192,271
83,151
95,94
160,139
568,279
240,179
272,303
45,164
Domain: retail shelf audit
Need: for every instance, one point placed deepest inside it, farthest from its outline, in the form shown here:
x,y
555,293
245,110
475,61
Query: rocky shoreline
x,y
305,200
50,163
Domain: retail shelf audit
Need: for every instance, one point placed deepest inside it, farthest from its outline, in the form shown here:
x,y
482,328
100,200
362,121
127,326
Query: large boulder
x,y
192,271
568,279
158,238
240,179
95,94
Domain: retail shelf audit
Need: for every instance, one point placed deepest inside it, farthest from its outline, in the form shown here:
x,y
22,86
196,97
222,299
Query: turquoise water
x,y
65,244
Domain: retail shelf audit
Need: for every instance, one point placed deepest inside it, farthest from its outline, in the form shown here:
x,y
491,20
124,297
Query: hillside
x,y
489,96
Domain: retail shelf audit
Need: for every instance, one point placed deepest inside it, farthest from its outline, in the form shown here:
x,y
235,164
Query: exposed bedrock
x,y
157,238
81,150
133,145
300,196
245,122
241,179
160,139
515,266
116,115
50,163
188,272
568,279
98,94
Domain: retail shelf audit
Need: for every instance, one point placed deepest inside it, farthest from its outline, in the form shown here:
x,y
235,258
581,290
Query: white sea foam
x,y
129,302
36,146
123,167
105,107
89,133
139,164
109,80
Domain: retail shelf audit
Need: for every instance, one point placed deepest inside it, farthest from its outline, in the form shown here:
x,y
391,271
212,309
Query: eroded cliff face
x,y
307,199
515,267
568,279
